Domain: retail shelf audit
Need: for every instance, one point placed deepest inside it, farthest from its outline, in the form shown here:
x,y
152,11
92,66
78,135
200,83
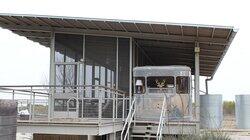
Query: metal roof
x,y
174,41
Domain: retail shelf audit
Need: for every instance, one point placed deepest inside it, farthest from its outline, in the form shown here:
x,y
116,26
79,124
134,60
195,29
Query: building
x,y
91,69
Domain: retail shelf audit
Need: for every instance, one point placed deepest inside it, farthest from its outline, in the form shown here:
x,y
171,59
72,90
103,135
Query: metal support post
x,y
100,109
112,136
33,106
117,62
84,73
78,88
130,70
123,107
116,106
91,137
30,105
51,76
197,87
113,98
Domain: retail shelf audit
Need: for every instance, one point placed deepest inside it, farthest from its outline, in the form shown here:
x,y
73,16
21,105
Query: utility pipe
x,y
206,82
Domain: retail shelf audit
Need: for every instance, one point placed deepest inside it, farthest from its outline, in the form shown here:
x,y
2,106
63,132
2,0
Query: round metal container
x,y
211,111
242,111
8,117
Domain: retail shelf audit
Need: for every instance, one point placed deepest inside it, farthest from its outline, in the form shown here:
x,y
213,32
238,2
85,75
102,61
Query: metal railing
x,y
162,119
129,120
64,102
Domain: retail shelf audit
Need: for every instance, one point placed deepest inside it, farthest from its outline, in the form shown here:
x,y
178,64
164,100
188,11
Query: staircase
x,y
144,129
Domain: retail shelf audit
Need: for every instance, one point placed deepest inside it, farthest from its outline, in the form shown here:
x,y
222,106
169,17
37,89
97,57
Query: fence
x,y
73,103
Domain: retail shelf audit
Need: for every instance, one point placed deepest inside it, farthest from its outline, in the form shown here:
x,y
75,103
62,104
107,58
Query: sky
x,y
25,62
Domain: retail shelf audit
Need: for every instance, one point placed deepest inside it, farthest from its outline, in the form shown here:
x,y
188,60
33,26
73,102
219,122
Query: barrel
x,y
8,117
211,111
242,111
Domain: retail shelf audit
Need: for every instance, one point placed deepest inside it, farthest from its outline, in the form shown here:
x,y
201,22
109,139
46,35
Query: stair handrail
x,y
128,120
161,120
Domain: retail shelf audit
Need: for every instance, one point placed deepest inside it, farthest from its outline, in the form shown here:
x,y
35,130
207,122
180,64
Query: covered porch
x,y
93,59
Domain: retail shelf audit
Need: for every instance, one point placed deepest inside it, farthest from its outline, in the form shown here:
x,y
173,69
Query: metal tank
x,y
211,111
8,117
242,111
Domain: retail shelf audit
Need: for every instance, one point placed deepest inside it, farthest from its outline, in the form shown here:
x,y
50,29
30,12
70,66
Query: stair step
x,y
144,129
143,136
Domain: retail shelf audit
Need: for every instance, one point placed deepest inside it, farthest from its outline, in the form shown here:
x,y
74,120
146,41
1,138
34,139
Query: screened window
x,y
160,82
123,64
182,84
100,55
68,48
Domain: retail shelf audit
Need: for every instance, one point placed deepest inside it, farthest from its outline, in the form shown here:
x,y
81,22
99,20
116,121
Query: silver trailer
x,y
163,94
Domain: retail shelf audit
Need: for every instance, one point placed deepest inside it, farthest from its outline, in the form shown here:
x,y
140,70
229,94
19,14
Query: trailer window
x,y
160,82
182,85
140,85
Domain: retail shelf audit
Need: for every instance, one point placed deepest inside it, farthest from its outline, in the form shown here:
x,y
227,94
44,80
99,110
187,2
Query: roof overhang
x,y
214,40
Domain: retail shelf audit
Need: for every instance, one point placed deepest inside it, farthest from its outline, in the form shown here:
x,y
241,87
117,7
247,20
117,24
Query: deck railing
x,y
68,103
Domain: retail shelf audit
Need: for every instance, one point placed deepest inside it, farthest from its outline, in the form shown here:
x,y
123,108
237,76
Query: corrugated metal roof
x,y
163,41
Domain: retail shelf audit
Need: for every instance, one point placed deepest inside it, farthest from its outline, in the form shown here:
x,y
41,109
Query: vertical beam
x,y
112,136
130,69
130,72
30,105
197,85
33,104
83,71
117,61
52,75
78,78
93,80
91,137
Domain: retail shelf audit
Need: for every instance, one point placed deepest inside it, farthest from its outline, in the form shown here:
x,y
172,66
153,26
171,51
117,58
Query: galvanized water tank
x,y
211,111
8,115
242,111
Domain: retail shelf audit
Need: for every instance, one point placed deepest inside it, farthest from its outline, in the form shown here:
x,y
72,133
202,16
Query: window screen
x,y
182,84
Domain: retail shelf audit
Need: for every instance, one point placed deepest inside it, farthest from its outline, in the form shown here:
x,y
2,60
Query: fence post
x,y
30,105
100,109
113,97
116,105
123,107
49,104
33,106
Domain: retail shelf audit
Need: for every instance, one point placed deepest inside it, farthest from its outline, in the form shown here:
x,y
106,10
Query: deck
x,y
70,126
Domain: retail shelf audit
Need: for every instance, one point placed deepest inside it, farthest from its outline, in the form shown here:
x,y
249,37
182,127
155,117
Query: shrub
x,y
228,107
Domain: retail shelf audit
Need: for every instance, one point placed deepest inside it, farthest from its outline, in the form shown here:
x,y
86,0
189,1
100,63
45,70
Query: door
x,y
68,77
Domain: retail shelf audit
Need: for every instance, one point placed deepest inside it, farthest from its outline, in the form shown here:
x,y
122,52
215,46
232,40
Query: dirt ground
x,y
229,127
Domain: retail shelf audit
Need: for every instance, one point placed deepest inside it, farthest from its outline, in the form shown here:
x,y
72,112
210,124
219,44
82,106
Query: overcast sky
x,y
25,62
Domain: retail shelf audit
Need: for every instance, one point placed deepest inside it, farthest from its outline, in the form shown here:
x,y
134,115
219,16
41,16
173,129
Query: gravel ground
x,y
229,125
